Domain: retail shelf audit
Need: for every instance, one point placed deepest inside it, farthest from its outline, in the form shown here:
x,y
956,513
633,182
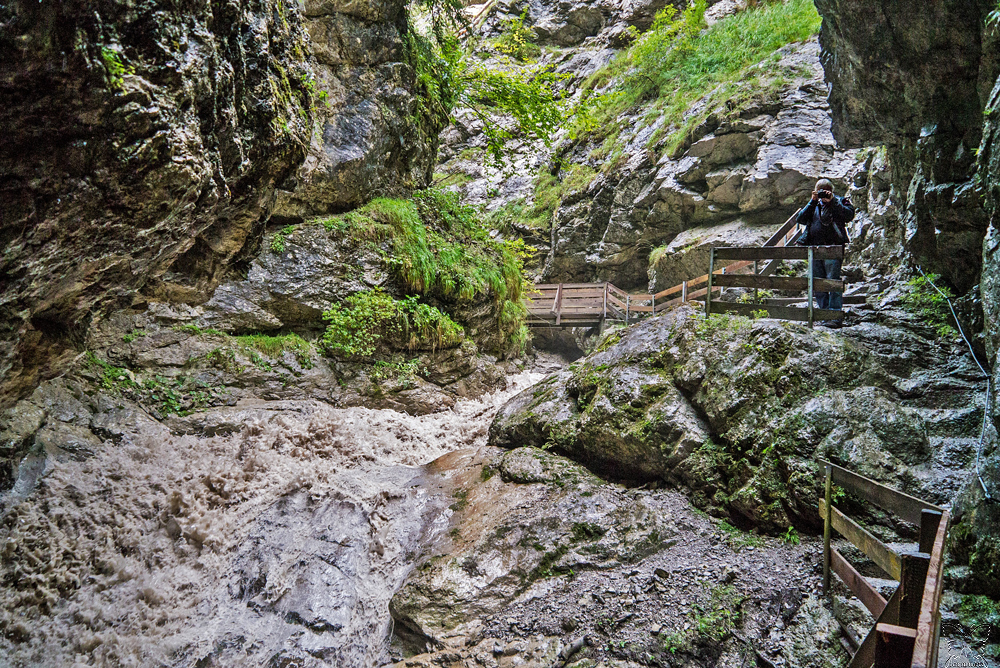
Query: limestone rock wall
x,y
141,148
374,133
915,78
922,79
746,174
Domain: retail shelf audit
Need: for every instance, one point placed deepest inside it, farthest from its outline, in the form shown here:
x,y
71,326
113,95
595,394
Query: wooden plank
x,y
640,309
893,646
928,623
858,585
780,253
876,550
669,291
617,302
779,282
783,231
865,655
781,312
907,507
827,529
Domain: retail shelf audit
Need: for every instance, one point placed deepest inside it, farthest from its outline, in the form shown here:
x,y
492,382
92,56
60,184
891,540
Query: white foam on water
x,y
127,558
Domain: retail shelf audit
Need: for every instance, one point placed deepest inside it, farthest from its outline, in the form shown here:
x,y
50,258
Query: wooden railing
x,y
691,290
758,281
907,626
477,19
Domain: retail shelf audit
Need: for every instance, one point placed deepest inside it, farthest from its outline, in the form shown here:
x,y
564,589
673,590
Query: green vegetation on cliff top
x,y
677,62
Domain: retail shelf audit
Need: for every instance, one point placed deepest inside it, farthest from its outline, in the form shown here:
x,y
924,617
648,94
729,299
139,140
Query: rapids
x,y
277,545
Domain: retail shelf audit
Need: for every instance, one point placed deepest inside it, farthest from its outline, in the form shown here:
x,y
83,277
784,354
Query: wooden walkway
x,y
592,304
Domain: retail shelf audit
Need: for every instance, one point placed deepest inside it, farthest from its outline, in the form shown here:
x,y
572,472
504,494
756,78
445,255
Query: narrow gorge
x,y
271,393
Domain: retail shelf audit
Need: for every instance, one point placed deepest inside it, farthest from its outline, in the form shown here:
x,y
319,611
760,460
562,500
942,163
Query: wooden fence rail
x,y
761,282
907,626
591,304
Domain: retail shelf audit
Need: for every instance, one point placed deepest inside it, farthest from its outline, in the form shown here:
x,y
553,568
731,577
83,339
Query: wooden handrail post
x,y
929,522
708,294
912,578
756,271
809,268
827,528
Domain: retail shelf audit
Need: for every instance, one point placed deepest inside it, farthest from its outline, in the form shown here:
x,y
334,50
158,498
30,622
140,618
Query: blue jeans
x,y
828,269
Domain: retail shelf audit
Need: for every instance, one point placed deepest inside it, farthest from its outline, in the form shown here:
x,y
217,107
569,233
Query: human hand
x,y
815,196
825,195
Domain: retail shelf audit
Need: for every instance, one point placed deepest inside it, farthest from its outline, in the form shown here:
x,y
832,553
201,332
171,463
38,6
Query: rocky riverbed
x,y
305,535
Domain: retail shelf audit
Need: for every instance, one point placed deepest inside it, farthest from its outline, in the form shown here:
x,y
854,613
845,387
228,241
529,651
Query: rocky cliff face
x,y
376,131
916,78
737,411
141,149
746,172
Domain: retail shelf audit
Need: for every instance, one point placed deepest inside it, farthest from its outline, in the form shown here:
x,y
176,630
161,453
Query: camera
x,y
824,194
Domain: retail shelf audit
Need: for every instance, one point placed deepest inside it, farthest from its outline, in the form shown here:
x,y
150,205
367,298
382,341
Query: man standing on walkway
x,y
825,218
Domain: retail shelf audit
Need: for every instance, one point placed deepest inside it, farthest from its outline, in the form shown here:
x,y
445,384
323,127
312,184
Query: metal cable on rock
x,y
986,405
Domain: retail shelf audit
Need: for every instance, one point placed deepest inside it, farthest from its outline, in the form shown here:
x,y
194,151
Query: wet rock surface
x,y
141,148
737,410
545,563
266,533
373,135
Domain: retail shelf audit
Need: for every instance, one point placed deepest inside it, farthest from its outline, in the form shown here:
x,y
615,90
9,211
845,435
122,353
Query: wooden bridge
x,y
592,304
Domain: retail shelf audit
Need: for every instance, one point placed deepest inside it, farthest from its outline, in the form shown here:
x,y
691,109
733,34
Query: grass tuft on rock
x,y
438,248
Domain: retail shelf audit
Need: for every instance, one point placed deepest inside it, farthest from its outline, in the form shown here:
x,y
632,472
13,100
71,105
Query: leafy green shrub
x,y
373,316
110,377
932,306
278,241
357,329
678,62
516,39
115,68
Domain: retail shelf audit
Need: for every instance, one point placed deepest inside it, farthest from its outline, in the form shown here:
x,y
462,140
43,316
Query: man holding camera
x,y
825,218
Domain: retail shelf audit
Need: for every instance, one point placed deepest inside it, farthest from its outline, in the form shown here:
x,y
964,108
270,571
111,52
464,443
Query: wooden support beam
x,y
876,550
912,579
907,507
857,583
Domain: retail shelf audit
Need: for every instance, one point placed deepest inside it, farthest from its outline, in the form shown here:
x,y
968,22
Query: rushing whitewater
x,y
280,544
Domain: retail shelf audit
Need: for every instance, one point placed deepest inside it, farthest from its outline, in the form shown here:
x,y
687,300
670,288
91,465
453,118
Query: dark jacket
x,y
826,224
